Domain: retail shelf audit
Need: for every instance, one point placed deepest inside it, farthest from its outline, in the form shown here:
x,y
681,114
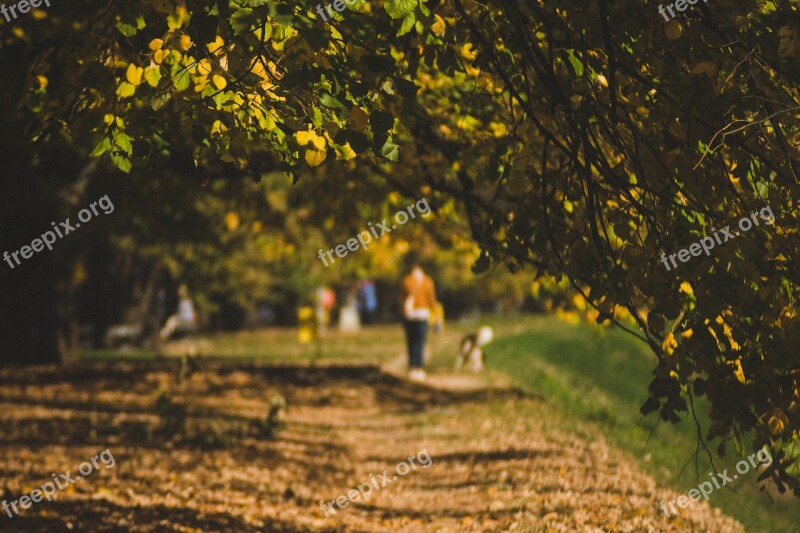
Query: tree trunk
x,y
28,318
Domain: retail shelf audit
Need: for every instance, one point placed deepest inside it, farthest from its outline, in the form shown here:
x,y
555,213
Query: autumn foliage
x,y
581,140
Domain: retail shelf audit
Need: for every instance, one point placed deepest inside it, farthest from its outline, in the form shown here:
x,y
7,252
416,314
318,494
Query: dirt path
x,y
500,460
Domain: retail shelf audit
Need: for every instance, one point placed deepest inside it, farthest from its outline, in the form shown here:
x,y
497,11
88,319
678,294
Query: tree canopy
x,y
581,141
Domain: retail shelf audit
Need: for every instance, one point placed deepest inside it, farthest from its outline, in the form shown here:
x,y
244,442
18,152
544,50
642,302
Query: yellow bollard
x,y
307,329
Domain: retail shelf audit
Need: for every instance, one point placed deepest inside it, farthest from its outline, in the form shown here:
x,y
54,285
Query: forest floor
x,y
500,459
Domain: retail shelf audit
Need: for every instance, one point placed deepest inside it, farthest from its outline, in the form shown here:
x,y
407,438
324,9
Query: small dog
x,y
472,349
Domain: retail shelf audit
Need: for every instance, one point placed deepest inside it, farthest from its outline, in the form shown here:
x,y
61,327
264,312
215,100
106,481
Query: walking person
x,y
419,301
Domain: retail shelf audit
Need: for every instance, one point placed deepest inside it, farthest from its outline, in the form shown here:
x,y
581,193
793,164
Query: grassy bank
x,y
602,378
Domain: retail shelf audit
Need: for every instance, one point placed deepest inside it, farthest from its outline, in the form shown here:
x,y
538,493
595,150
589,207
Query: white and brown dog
x,y
471,352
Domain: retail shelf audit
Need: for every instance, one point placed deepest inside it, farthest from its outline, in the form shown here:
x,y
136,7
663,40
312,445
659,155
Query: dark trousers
x,y
416,331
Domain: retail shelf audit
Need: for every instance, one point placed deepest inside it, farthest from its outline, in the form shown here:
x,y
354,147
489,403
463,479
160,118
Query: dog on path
x,y
471,351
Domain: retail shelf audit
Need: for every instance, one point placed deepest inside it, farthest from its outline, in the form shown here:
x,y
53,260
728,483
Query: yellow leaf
x,y
686,288
152,75
713,333
738,371
777,423
219,81
345,152
735,346
218,127
159,56
126,89
216,47
468,51
42,82
258,70
204,67
315,157
186,42
498,129
177,19
134,74
156,44
319,142
669,344
310,136
232,221
438,27
200,83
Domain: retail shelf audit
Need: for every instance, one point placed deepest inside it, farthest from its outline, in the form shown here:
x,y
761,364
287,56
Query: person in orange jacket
x,y
419,303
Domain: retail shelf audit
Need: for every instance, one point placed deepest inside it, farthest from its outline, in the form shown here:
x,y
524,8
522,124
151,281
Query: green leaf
x,y
242,21
316,117
577,64
121,161
424,9
408,23
390,151
159,101
399,8
123,141
126,89
152,76
388,87
174,21
329,101
181,78
129,23
101,147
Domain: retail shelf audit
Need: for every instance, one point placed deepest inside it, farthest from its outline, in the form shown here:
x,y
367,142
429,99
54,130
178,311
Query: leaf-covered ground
x,y
501,460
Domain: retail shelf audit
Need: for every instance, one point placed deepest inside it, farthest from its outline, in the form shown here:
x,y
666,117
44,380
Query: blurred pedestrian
x,y
184,319
418,298
324,302
349,322
367,301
